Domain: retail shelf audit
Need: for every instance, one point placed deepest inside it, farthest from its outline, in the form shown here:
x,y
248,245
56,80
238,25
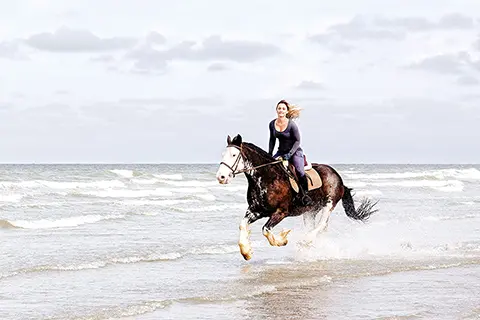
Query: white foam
x,y
409,238
230,188
169,176
446,186
220,249
207,197
61,185
368,193
10,197
190,190
123,173
128,193
218,207
191,183
357,184
145,181
161,203
462,174
65,222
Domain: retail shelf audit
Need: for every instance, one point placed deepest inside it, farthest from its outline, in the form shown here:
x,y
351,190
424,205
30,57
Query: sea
x,y
159,241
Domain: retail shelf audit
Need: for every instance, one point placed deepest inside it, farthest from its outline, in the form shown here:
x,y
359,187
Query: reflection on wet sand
x,y
298,292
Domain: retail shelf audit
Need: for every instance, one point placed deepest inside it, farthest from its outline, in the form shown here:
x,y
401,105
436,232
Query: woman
x,y
286,131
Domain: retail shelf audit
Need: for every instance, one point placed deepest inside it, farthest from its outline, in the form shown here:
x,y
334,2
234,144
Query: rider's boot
x,y
303,189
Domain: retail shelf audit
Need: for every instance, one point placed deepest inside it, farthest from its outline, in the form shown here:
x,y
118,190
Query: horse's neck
x,y
265,175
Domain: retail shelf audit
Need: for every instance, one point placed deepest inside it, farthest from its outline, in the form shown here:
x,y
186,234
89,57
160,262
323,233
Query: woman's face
x,y
282,110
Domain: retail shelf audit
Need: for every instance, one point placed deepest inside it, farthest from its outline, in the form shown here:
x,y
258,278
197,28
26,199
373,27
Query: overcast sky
x,y
167,81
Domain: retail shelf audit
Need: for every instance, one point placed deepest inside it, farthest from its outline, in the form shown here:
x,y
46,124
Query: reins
x,y
233,168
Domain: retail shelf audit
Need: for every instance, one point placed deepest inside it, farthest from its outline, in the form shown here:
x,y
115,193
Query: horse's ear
x,y
229,140
237,140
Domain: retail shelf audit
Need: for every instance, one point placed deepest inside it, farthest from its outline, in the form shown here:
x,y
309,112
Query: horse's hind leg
x,y
309,220
244,239
323,220
275,219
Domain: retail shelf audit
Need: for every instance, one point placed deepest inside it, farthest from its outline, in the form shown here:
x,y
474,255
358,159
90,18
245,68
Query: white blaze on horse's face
x,y
231,161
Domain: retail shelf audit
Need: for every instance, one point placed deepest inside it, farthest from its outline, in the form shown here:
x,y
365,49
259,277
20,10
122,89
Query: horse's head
x,y
232,160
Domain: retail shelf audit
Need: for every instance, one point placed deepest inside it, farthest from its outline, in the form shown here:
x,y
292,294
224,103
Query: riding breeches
x,y
297,161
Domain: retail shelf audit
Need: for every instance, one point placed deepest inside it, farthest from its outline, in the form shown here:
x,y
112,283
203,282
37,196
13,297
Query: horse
x,y
270,193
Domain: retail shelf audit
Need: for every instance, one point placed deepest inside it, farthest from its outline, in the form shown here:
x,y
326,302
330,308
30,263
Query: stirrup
x,y
306,200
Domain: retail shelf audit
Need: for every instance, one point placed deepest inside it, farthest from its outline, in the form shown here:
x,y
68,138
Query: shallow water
x,y
159,242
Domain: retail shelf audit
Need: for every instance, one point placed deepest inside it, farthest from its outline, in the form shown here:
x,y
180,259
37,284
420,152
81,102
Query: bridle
x,y
234,167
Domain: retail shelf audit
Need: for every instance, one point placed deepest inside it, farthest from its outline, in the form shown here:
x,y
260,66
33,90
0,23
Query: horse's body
x,y
270,194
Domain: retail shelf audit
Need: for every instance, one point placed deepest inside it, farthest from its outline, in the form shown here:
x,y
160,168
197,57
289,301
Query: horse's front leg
x,y
275,219
244,239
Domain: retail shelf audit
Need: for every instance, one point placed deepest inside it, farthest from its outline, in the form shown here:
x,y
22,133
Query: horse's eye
x,y
234,155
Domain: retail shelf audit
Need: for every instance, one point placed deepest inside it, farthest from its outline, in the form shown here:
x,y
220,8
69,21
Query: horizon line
x,y
213,163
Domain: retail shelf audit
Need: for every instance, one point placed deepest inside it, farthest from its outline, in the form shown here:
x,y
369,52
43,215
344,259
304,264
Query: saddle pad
x,y
313,178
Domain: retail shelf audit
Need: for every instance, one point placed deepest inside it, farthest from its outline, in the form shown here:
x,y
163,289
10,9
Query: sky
x,y
153,81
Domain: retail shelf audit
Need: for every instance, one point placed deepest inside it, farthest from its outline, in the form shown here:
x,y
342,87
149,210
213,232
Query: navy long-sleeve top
x,y
289,139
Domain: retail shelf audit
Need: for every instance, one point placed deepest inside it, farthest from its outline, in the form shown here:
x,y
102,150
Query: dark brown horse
x,y
270,193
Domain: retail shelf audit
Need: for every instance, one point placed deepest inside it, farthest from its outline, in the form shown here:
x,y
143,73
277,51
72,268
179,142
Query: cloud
x,y
150,111
310,85
11,50
147,58
386,29
455,21
4,107
72,40
214,67
155,38
454,64
467,81
476,44
213,48
329,41
240,51
358,28
408,23
418,24
103,58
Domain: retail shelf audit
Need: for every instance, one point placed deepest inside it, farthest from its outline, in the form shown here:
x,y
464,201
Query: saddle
x,y
313,178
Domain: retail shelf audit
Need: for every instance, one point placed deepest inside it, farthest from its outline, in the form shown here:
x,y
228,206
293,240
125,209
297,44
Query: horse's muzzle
x,y
223,179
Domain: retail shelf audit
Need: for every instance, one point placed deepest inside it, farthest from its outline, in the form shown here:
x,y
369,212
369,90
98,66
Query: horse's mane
x,y
262,153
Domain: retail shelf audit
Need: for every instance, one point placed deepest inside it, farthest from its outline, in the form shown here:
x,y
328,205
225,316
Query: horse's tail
x,y
363,212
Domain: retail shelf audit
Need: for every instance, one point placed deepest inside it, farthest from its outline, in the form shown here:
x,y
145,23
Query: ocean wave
x,y
161,203
242,188
206,197
189,190
152,257
190,183
218,207
462,174
117,312
174,176
359,193
10,197
445,186
231,295
64,222
123,173
127,193
62,185
145,181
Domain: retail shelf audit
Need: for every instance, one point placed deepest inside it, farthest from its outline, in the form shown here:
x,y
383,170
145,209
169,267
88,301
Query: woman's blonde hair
x,y
293,111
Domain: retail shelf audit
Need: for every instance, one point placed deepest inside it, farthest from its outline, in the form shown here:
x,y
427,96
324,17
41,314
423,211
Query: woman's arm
x,y
271,142
296,137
